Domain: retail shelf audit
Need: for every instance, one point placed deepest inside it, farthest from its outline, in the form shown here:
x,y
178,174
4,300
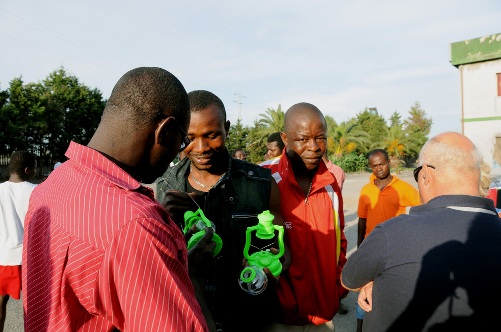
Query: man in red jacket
x,y
312,209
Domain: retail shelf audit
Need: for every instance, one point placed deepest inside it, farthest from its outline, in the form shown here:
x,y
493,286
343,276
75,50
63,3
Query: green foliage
x,y
237,137
395,119
256,143
352,162
272,120
269,122
44,117
371,122
345,138
418,127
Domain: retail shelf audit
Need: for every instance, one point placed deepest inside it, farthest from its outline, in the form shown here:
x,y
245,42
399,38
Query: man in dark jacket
x,y
231,193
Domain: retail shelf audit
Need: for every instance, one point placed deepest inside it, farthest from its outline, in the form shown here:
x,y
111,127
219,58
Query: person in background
x,y
14,198
485,179
239,154
340,176
384,197
312,208
231,193
437,268
337,171
100,253
274,145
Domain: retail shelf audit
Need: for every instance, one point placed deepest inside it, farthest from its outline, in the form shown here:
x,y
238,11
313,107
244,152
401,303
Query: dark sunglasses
x,y
418,169
185,141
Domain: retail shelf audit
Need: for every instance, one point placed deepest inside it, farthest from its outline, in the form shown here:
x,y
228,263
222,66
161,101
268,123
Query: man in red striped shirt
x,y
100,253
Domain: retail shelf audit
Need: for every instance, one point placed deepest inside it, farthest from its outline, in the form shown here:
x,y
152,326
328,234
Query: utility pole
x,y
239,104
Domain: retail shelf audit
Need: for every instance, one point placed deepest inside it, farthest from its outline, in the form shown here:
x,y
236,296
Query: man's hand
x,y
271,278
177,203
201,260
365,297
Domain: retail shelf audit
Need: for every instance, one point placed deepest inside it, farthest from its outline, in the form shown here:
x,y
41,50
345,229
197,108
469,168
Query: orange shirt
x,y
378,206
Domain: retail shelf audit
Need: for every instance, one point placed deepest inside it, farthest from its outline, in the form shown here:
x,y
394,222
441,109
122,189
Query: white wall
x,y
480,100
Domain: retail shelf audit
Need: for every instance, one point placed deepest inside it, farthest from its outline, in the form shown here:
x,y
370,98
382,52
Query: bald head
x,y
300,111
456,165
305,138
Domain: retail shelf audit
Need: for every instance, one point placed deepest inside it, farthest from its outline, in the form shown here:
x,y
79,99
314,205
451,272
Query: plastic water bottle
x,y
253,280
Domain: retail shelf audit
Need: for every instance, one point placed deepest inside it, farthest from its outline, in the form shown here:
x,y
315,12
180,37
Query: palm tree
x,y
345,138
271,121
398,144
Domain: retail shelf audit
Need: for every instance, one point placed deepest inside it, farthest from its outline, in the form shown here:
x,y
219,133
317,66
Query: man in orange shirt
x,y
384,197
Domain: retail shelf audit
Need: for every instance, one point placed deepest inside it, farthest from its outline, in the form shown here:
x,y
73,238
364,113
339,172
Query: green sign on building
x,y
476,50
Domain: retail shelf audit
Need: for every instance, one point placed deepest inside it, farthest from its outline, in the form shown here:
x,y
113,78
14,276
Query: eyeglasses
x,y
185,141
418,169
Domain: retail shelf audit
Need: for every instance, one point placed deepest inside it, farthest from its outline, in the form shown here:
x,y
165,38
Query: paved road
x,y
344,323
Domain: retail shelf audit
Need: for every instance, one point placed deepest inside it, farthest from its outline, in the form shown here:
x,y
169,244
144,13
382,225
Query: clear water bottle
x,y
253,280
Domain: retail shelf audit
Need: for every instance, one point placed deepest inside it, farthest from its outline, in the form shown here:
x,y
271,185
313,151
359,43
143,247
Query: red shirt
x,y
101,254
338,173
310,290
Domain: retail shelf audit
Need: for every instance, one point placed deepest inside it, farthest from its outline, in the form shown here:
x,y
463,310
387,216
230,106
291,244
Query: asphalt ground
x,y
343,323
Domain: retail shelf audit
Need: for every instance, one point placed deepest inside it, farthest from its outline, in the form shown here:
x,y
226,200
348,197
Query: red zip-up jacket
x,y
310,290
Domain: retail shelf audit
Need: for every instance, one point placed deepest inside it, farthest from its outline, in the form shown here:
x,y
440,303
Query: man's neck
x,y
382,183
16,178
220,167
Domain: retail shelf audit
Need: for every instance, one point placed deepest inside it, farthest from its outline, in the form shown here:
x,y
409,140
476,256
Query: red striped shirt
x,y
101,254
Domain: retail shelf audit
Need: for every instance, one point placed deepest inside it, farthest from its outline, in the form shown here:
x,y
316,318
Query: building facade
x,y
479,64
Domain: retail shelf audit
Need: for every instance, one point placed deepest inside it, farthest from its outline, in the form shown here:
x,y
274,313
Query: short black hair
x,y
201,99
19,161
275,137
145,94
377,151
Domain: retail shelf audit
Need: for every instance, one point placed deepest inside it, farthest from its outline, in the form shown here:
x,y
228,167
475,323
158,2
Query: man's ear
x,y
284,138
426,175
164,130
227,127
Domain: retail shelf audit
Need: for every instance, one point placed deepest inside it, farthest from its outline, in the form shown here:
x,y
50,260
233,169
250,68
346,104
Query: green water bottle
x,y
200,220
252,279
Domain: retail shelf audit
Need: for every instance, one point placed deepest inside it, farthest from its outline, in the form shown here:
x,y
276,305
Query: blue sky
x,y
341,56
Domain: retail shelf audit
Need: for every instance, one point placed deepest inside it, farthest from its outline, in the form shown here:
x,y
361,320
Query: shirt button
x,y
251,173
231,199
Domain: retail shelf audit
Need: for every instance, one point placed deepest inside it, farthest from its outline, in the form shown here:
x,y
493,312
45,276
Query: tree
x,y
345,138
18,115
372,123
256,145
237,137
271,121
398,144
417,126
68,102
395,119
43,117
